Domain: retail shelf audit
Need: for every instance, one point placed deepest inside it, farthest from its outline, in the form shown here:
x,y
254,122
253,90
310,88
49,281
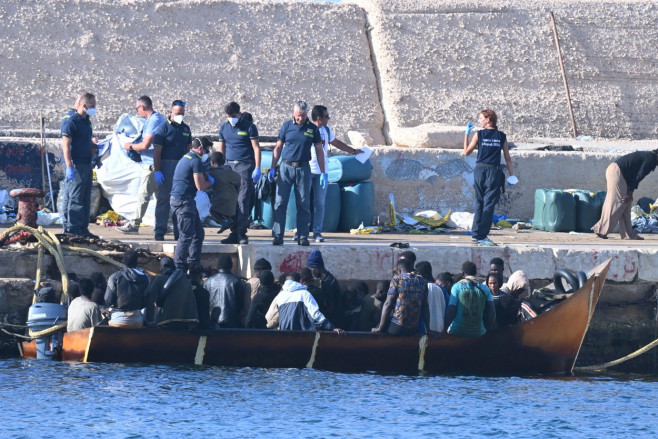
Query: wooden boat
x,y
548,344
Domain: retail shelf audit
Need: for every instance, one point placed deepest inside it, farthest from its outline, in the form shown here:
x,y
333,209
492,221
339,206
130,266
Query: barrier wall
x,y
443,179
432,61
264,55
443,61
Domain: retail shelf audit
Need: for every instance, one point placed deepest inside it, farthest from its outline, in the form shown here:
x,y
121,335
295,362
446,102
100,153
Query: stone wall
x,y
442,179
443,61
264,55
379,65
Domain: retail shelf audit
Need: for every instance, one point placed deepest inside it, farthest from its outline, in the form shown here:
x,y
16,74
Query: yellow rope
x,y
94,254
58,246
47,331
37,282
48,246
632,355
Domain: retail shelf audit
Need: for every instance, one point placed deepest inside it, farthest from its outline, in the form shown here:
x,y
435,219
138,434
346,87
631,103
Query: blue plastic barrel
x,y
265,160
291,213
357,205
347,169
331,208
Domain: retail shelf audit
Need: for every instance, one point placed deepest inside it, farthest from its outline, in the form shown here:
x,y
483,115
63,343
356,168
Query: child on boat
x,y
225,189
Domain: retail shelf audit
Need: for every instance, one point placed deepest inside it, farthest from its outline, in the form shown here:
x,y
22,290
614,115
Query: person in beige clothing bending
x,y
623,177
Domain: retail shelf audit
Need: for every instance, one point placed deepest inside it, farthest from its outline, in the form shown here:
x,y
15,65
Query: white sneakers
x,y
128,227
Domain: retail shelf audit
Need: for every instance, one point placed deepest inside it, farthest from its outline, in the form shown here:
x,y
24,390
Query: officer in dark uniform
x,y
188,178
238,141
62,190
487,178
299,135
77,148
170,142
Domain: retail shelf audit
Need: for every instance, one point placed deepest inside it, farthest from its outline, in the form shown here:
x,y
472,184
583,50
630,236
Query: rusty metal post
x,y
27,205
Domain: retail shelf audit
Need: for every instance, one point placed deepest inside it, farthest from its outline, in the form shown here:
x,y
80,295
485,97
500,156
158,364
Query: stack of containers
x,y
357,195
567,210
350,199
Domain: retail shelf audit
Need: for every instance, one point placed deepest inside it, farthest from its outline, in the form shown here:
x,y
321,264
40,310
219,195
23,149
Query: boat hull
x,y
548,344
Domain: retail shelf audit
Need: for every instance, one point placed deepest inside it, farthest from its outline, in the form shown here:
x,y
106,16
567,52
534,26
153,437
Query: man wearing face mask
x,y
238,141
188,178
77,148
299,136
170,143
142,145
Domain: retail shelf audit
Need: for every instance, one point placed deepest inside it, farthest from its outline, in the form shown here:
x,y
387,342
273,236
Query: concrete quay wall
x,y
374,262
380,65
442,179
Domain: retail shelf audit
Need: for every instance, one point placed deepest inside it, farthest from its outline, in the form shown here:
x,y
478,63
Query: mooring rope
x,y
47,240
630,356
13,334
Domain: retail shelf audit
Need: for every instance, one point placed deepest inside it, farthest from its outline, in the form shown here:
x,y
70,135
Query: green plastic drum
x,y
559,211
540,200
588,209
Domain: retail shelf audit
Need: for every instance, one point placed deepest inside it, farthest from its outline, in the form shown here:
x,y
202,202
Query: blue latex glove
x,y
211,179
323,180
255,176
469,128
270,175
159,178
70,172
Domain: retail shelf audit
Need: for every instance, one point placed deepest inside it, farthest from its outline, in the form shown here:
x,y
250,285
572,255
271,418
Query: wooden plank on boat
x,y
76,344
150,345
259,348
363,351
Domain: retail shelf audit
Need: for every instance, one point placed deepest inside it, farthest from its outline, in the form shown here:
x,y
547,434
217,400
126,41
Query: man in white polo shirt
x,y
320,117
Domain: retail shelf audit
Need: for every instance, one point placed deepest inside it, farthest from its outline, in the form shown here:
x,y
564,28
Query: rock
x,y
359,140
429,135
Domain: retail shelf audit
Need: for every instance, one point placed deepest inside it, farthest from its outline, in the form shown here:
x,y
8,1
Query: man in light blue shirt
x,y
143,146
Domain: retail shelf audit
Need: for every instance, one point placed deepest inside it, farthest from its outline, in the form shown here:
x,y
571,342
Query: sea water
x,y
42,399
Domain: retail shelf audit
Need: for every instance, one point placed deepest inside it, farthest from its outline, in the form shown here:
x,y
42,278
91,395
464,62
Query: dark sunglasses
x,y
178,103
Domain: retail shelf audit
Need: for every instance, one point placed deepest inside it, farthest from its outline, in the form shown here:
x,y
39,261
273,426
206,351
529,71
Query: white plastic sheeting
x,y
120,177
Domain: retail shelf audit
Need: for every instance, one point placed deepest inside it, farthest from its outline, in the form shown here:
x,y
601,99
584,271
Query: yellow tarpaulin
x,y
434,221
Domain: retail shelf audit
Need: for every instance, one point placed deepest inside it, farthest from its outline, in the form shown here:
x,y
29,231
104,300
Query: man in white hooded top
x,y
297,310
